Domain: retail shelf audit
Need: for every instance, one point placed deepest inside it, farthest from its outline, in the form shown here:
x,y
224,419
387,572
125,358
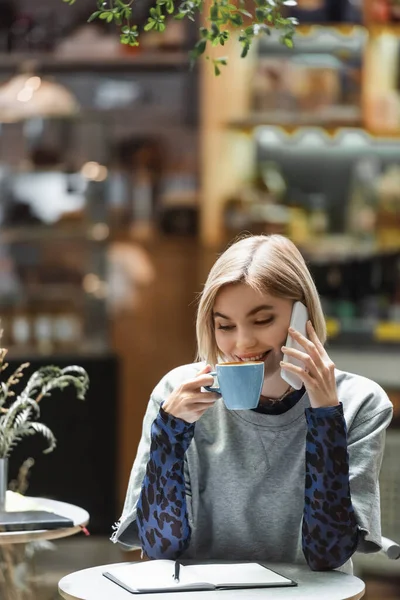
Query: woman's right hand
x,y
188,402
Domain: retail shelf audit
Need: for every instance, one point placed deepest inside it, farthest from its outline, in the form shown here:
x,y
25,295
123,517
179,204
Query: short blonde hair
x,y
269,264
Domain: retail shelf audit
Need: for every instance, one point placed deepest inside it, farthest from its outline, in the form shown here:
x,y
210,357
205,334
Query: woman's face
x,y
250,325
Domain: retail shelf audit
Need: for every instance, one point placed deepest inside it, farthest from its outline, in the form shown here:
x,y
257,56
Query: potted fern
x,y
20,413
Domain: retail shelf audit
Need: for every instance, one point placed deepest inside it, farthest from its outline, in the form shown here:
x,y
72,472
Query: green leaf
x,y
93,16
260,14
223,16
214,12
214,29
217,71
236,20
127,13
201,46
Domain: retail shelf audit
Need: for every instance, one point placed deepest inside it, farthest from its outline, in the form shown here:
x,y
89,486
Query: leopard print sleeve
x,y
162,517
329,531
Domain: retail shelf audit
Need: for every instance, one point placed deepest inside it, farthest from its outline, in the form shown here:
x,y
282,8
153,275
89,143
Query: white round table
x,y
11,553
90,584
79,516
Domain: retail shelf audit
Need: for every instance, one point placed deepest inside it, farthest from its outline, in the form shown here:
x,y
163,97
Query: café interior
x,y
125,171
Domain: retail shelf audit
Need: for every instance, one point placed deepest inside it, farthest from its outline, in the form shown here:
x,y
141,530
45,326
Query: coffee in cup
x,y
239,383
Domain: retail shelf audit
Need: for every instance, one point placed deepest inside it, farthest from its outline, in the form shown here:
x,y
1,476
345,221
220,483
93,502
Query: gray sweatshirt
x,y
245,473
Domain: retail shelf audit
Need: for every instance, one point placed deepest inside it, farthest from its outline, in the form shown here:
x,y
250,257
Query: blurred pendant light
x,y
27,96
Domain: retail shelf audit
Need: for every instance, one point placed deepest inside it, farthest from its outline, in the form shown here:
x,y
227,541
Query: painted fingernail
x,y
284,348
291,329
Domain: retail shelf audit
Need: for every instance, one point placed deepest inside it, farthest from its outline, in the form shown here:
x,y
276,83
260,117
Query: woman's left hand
x,y
318,374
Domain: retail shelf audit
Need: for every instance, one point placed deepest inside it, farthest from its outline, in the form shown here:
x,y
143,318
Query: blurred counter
x,y
381,365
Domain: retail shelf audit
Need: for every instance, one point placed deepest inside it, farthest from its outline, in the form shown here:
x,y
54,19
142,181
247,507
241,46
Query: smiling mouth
x,y
255,358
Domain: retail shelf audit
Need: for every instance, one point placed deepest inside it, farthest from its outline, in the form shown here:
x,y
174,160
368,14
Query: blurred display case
x,y
71,187
382,80
319,83
328,11
317,171
55,234
337,198
54,224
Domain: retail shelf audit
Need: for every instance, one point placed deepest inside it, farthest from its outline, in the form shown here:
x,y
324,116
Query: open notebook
x,y
158,576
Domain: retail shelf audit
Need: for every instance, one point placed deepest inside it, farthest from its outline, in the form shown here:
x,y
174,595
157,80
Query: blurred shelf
x,y
327,119
73,353
50,292
380,28
318,38
143,61
358,332
342,248
355,133
343,29
16,235
366,341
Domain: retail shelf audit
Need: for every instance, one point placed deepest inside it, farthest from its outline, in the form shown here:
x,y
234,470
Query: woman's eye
x,y
265,321
225,327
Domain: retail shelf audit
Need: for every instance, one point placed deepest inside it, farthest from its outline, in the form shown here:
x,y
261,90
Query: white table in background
x,y
90,584
79,516
8,539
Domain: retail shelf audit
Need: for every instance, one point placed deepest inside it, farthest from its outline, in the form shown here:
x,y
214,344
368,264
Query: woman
x,y
294,480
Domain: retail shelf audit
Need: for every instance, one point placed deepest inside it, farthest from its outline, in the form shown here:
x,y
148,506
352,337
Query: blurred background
x,y
123,173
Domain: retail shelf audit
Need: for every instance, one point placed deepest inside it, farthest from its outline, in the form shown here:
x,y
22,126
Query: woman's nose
x,y
245,340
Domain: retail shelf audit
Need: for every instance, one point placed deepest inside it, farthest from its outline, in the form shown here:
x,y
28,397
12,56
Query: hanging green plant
x,y
224,17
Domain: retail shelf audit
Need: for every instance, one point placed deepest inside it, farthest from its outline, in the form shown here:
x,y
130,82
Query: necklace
x,y
275,400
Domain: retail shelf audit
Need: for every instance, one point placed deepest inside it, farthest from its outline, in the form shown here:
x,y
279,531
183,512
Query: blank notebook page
x,y
238,573
154,574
